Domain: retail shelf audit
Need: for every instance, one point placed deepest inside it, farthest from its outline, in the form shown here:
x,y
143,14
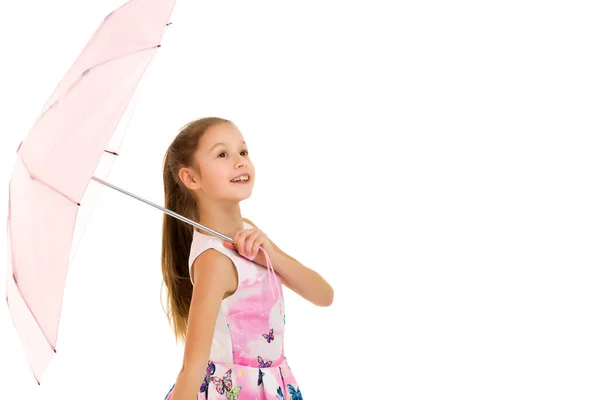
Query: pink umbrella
x,y
70,143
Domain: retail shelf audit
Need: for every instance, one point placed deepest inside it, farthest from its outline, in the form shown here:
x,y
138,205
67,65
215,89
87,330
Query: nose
x,y
241,162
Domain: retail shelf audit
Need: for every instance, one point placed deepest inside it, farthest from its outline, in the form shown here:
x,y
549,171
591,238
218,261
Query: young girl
x,y
225,300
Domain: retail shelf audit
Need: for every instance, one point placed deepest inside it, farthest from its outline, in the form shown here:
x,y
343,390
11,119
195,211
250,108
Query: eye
x,y
243,151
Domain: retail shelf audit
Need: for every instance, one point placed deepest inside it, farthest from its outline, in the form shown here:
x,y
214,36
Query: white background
x,y
437,162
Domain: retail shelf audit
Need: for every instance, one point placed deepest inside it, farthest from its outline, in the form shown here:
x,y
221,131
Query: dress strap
x,y
270,271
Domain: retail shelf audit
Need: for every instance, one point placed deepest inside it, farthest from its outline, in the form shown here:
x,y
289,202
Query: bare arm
x,y
299,278
214,277
302,280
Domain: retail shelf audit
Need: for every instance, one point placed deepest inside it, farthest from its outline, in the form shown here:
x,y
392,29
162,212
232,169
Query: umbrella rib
x,y
119,57
32,314
45,184
84,73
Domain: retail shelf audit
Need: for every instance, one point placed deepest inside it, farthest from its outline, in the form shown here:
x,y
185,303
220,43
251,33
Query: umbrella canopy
x,y
74,134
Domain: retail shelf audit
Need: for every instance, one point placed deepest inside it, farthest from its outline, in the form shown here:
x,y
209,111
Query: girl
x,y
225,300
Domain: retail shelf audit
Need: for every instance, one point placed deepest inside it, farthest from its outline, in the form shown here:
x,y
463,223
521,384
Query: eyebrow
x,y
211,149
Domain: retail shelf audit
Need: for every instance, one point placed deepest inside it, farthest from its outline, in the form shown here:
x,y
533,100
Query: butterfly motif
x,y
210,370
260,375
296,395
269,336
279,393
263,364
222,384
233,393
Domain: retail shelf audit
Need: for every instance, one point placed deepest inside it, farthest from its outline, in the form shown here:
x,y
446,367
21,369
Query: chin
x,y
248,195
242,195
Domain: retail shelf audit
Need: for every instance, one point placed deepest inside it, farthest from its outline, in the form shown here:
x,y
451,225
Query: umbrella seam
x,y
45,184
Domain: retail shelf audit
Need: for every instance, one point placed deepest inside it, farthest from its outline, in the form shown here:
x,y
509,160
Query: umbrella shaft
x,y
166,211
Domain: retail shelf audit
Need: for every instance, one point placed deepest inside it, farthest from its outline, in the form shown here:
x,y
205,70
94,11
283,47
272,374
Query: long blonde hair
x,y
177,235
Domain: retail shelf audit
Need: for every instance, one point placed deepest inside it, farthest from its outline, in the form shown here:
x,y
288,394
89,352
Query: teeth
x,y
240,178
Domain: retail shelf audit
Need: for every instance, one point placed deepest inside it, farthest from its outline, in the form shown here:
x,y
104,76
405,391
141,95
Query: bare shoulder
x,y
215,271
213,274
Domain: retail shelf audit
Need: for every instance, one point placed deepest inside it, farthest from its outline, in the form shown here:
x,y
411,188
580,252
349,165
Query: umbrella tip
x,y
159,45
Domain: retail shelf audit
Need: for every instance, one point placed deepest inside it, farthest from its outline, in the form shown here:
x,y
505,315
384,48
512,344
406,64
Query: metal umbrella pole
x,y
166,211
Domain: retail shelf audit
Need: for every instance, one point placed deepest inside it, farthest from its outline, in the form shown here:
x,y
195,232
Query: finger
x,y
234,238
257,244
255,248
250,241
243,241
239,242
247,245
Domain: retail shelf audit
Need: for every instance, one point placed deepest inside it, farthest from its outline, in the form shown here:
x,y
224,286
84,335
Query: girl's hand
x,y
247,242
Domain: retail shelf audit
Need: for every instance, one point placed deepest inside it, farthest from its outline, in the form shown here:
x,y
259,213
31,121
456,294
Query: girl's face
x,y
221,157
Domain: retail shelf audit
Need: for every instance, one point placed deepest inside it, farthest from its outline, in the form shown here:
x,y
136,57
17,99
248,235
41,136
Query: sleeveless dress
x,y
246,359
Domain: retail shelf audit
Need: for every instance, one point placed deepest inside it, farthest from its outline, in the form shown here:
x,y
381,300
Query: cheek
x,y
216,177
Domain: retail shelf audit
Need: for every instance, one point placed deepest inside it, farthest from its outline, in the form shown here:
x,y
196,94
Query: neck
x,y
221,216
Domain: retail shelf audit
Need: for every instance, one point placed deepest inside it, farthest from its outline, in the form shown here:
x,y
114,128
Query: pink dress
x,y
246,359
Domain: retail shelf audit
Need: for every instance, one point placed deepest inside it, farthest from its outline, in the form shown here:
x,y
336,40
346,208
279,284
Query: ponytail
x,y
177,235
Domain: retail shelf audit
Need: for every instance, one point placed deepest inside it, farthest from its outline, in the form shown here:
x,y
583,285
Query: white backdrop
x,y
437,162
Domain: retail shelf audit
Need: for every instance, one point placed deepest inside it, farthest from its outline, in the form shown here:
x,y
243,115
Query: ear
x,y
189,177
